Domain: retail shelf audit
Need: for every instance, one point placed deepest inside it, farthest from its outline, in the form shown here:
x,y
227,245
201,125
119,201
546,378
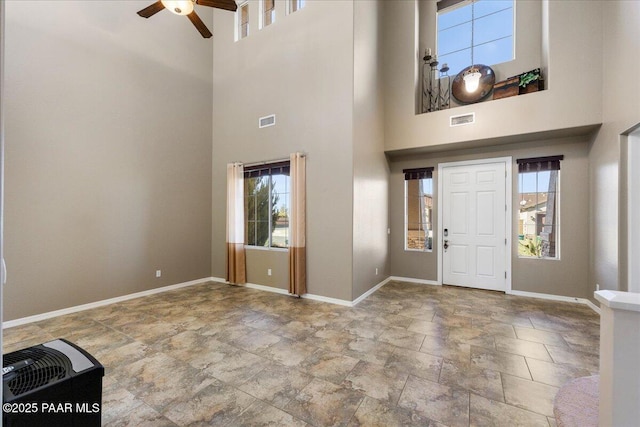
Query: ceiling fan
x,y
186,7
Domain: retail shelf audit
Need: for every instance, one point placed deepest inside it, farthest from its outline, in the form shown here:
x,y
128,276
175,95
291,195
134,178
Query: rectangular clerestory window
x,y
478,31
267,12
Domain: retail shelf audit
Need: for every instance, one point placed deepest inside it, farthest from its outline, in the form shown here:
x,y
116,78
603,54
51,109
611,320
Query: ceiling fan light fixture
x,y
179,7
472,79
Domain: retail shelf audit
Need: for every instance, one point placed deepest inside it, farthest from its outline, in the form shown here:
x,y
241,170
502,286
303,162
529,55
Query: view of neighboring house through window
x,y
266,193
538,216
268,12
478,31
242,21
418,209
295,5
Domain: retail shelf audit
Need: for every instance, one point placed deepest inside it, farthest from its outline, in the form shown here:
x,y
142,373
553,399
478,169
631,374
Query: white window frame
x,y
406,218
558,212
464,3
270,247
290,6
261,8
238,17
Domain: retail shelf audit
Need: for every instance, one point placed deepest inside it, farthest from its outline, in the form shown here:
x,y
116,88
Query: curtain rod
x,y
266,162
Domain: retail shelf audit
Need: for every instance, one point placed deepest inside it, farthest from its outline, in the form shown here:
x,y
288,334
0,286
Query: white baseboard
x,y
267,288
77,308
330,300
412,280
286,292
370,291
556,298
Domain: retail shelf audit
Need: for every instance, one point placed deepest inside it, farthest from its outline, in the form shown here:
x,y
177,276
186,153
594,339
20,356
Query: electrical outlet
x,y
376,271
597,287
158,273
268,272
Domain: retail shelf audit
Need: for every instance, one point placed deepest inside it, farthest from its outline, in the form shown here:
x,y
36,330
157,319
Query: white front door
x,y
474,237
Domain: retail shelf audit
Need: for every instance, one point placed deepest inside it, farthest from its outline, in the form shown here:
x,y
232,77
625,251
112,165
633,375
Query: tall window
x,y
538,216
295,5
418,209
266,193
268,12
242,21
475,31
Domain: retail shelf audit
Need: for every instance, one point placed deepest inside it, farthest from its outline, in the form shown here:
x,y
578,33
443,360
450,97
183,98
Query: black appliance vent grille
x,y
49,367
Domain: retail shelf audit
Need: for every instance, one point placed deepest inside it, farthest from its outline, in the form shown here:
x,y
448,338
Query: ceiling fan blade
x,y
220,4
149,11
197,22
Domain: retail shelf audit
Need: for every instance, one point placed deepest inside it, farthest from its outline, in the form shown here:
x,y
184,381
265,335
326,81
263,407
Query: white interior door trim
x,y
633,211
508,163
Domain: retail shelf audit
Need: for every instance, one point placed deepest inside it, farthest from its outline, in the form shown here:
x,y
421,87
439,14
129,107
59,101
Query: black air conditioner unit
x,y
52,384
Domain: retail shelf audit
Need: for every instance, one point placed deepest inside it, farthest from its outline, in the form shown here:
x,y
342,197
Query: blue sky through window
x,y
492,34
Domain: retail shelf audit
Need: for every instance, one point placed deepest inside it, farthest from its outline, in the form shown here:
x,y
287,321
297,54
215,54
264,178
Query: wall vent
x,y
267,121
463,119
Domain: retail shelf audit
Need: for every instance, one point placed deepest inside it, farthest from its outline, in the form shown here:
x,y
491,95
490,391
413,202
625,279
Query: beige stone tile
x,y
256,341
543,337
488,413
330,366
472,336
492,327
499,361
567,356
216,404
528,349
288,352
429,328
159,379
373,412
276,385
329,339
447,405
369,350
484,382
322,403
530,395
583,343
419,313
150,332
416,363
553,373
453,350
364,329
29,333
261,414
382,383
237,367
401,337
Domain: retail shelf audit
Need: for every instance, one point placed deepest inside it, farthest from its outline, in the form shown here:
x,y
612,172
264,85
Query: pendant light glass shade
x,y
472,80
179,7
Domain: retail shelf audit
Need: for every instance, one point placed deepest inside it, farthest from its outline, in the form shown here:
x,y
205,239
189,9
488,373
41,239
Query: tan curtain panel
x,y
236,265
297,225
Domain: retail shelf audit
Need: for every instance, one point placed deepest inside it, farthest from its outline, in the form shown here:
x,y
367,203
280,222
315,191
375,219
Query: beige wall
x,y
621,111
573,33
567,276
370,170
108,141
301,69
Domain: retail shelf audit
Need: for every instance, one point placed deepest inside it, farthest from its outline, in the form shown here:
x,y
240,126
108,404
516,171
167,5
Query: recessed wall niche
x,y
528,52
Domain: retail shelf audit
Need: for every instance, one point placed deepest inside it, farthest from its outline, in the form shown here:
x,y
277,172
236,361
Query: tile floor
x,y
408,355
